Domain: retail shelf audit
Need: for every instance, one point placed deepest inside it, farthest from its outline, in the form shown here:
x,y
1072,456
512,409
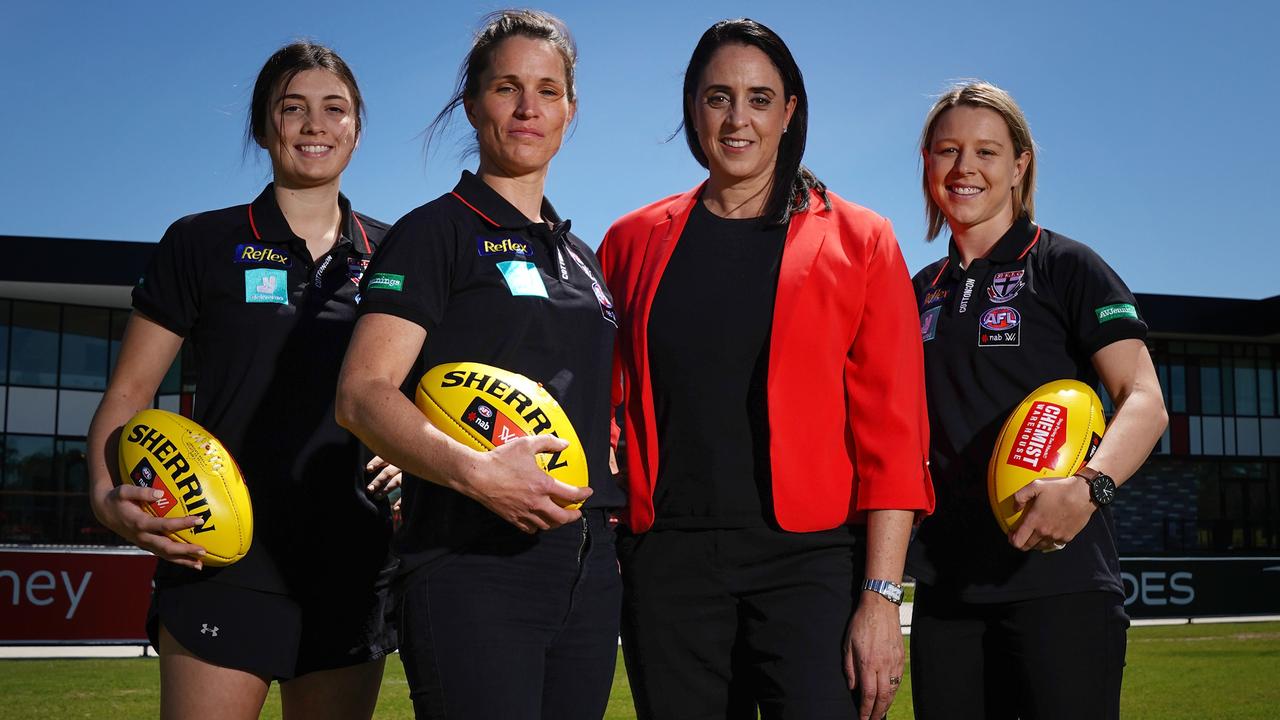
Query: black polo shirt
x,y
269,326
1034,310
490,286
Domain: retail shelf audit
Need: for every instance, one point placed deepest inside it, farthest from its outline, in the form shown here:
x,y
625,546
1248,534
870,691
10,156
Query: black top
x,y
709,361
490,286
1034,310
269,326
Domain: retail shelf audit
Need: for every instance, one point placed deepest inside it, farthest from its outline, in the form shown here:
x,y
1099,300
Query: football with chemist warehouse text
x,y
482,407
173,454
1052,433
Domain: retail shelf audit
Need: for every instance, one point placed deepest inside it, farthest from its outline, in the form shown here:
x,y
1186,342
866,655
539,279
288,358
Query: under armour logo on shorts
x,y
204,628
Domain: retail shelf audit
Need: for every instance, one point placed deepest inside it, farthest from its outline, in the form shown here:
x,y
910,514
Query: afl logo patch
x,y
1000,318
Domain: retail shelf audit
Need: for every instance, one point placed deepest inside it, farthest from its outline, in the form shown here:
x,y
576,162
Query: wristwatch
x,y
887,589
1102,489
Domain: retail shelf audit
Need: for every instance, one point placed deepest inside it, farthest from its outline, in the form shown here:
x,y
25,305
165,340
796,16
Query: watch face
x,y
1103,489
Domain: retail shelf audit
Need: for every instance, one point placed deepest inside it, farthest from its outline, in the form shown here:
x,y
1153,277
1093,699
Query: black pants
x,y
522,628
718,622
1053,657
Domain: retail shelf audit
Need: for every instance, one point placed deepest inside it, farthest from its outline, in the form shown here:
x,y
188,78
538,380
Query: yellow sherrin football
x,y
1052,433
173,454
482,406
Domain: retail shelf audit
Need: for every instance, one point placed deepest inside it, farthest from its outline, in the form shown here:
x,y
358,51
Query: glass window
x,y
70,470
1246,385
4,342
119,319
1178,388
1266,390
1228,388
28,462
1210,391
1162,376
34,351
84,348
32,410
75,411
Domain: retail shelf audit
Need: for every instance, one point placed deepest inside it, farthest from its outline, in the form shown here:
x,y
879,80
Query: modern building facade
x,y
1212,487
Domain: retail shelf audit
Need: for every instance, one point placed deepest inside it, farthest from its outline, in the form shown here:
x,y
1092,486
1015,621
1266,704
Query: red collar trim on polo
x,y
1031,244
368,248
253,225
462,200
936,278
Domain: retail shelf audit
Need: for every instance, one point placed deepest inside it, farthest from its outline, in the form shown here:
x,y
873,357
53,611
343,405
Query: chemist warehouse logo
x,y
1040,438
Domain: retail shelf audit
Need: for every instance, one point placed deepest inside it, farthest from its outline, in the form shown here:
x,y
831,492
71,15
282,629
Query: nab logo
x,y
479,416
1000,318
144,476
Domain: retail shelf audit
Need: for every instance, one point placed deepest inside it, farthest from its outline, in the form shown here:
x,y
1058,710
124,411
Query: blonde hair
x,y
975,93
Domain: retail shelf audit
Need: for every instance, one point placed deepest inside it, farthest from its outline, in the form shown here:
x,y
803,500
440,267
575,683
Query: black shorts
x,y
272,635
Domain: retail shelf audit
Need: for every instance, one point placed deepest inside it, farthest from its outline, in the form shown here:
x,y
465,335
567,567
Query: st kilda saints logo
x,y
1005,286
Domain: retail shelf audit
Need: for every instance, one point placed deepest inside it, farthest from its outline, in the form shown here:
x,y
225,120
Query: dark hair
x,y
279,71
792,181
494,28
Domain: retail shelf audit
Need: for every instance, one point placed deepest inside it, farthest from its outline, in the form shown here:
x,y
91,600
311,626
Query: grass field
x,y
1181,671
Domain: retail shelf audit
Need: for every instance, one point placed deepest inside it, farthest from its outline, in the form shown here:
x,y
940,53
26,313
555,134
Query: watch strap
x,y
886,589
1088,473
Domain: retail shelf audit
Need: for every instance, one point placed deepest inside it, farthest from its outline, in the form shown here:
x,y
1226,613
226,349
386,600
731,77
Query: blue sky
x,y
1152,117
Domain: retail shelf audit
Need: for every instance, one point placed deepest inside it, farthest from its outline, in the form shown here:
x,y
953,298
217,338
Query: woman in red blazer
x,y
770,366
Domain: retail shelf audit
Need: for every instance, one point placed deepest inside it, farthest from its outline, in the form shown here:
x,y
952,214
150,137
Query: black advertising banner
x,y
1200,586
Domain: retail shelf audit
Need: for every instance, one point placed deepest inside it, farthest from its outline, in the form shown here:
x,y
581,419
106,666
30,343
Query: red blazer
x,y
848,427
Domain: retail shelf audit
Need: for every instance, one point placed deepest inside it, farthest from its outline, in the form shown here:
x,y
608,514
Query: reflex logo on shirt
x,y
503,246
522,278
266,286
1108,313
261,254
